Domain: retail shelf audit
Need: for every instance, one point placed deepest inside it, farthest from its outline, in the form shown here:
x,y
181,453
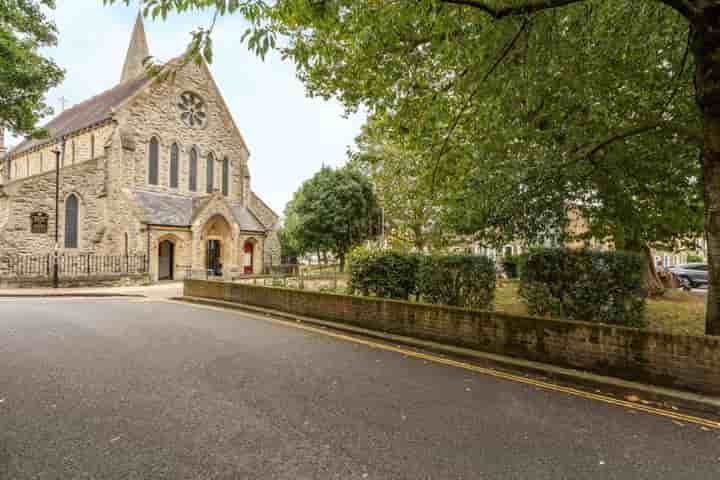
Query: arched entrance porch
x,y
217,246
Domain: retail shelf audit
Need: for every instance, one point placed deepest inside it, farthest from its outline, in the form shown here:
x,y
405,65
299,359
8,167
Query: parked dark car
x,y
691,275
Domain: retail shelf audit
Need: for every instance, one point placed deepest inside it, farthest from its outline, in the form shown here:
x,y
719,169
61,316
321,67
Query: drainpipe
x,y
147,226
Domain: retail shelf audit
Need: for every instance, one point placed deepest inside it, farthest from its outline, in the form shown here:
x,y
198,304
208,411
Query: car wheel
x,y
686,283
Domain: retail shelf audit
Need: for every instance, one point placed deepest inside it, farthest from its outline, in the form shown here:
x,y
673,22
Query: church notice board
x,y
38,222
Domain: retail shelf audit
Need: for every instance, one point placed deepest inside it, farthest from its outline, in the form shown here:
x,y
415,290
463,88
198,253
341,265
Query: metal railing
x,y
72,265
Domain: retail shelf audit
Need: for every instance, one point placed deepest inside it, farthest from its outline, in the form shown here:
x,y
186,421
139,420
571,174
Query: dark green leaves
x,y
25,75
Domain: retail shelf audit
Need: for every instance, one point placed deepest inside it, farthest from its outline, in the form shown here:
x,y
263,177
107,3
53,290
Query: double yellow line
x,y
677,416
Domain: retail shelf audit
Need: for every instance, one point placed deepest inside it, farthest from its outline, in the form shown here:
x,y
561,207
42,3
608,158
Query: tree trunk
x,y
653,284
706,50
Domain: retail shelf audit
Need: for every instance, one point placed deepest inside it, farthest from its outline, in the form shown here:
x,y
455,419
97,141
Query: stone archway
x,y
216,246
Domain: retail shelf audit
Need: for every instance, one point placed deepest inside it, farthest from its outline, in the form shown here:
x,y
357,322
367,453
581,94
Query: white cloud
x,y
289,135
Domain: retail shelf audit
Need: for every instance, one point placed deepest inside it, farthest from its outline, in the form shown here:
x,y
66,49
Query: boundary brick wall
x,y
678,361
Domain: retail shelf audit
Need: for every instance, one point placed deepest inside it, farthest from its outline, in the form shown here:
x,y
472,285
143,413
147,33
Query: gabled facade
x,y
145,167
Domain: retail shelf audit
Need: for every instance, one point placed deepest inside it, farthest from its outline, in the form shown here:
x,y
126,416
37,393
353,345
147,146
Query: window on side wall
x,y
225,176
192,174
153,151
72,211
174,165
210,173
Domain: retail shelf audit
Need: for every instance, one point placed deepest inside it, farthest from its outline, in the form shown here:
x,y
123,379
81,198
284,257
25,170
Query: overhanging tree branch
x,y
688,134
461,113
529,7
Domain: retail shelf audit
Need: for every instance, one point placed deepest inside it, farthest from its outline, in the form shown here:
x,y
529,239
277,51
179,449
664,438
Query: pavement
x,y
132,388
156,290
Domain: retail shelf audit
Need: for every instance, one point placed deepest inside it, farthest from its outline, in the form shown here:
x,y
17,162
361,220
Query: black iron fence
x,y
72,265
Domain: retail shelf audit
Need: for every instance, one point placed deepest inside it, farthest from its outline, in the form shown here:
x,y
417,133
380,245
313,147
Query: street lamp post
x,y
56,277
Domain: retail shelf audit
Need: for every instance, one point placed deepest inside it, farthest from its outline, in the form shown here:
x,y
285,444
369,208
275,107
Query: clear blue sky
x,y
290,136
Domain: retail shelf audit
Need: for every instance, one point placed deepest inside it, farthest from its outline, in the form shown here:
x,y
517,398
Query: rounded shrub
x,y
580,284
458,280
382,273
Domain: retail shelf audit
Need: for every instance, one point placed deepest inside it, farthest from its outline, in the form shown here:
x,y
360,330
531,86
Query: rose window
x,y
192,110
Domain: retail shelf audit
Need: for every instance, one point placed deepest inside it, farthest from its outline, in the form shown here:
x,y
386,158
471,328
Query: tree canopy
x,y
538,105
25,74
333,211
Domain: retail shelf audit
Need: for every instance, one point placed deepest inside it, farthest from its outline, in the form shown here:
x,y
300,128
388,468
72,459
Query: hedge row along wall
x,y
690,362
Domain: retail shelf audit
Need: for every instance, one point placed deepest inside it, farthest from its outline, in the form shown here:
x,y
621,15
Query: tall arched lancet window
x,y
72,210
210,172
153,161
174,165
92,147
192,174
225,176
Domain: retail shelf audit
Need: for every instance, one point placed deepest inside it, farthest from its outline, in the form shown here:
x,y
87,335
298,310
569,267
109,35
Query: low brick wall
x,y
77,282
679,361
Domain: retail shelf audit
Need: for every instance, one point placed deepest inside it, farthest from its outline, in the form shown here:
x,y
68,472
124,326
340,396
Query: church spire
x,y
136,53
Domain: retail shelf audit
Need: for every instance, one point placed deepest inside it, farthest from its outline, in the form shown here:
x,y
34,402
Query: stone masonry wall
x,y
37,194
679,361
154,113
78,149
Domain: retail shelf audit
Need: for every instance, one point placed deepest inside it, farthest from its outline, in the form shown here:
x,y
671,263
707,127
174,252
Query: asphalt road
x,y
130,389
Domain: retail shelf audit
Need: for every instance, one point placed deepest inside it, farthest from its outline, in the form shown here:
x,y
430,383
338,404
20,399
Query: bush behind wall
x,y
585,285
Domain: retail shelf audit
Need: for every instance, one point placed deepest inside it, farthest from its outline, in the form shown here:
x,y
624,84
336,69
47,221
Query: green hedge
x,y
387,274
458,280
586,285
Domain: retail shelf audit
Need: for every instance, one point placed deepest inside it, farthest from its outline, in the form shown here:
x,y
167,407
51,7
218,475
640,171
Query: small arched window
x,y
210,172
174,165
72,153
225,176
126,243
192,177
153,161
72,207
92,147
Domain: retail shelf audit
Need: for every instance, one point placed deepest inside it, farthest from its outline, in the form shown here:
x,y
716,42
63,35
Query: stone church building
x,y
147,167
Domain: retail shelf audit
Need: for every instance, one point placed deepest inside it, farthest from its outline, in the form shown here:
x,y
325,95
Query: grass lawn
x,y
676,312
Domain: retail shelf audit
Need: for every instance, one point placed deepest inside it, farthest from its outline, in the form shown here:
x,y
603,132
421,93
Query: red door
x,y
248,264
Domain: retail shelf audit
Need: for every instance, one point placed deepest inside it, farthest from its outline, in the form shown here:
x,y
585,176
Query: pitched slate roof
x,y
246,219
85,114
164,208
177,211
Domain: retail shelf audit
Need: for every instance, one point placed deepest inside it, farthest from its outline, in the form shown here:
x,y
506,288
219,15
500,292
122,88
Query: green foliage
x,y
25,74
511,265
387,273
458,280
333,211
288,247
585,285
692,258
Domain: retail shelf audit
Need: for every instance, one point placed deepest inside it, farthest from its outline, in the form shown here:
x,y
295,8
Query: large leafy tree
x,y
333,211
25,74
403,181
444,70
